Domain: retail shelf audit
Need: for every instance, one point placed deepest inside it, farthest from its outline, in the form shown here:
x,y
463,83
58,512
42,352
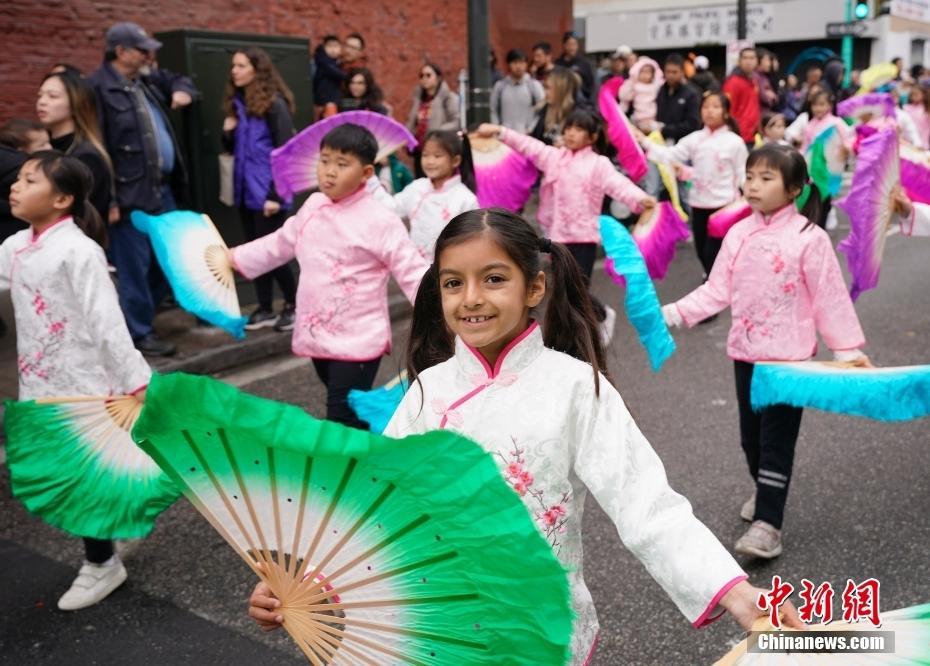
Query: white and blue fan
x,y
193,256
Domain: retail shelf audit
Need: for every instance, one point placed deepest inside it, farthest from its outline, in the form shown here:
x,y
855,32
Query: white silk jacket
x,y
71,337
554,440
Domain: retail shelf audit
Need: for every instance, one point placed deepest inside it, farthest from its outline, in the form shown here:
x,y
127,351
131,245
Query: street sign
x,y
855,29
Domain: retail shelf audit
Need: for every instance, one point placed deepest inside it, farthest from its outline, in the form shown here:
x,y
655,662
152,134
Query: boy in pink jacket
x,y
347,245
780,276
574,182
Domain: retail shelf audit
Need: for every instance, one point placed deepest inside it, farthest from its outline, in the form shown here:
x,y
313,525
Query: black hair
x,y
545,47
916,71
589,121
71,177
793,168
725,103
569,35
747,49
433,66
513,55
352,140
823,92
674,59
329,38
457,145
355,35
15,133
65,68
769,116
373,99
570,325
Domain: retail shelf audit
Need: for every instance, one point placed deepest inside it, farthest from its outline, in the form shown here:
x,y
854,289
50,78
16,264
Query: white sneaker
x,y
761,540
832,222
93,584
748,511
607,326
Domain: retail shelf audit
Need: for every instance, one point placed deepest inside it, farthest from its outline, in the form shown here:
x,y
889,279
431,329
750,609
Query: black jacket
x,y
679,111
10,162
327,78
138,179
101,195
582,67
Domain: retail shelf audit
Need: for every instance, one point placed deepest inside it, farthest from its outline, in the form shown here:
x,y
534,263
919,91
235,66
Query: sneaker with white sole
x,y
761,540
607,326
93,584
261,319
748,510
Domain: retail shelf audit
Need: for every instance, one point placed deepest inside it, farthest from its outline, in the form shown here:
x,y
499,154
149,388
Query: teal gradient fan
x,y
73,463
411,551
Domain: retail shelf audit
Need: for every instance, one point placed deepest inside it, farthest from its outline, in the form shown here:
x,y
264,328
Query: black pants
x,y
255,225
825,206
706,247
340,377
585,254
97,551
768,439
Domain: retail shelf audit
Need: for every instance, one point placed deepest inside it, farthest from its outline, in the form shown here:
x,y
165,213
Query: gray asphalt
x,y
858,508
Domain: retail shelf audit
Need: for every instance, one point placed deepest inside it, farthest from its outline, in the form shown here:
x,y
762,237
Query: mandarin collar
x,y
516,356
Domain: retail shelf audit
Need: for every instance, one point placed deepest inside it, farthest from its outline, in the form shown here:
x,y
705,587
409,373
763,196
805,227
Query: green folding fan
x,y
73,463
380,550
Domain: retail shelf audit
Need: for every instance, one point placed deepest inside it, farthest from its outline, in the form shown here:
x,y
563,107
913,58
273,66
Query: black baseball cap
x,y
131,35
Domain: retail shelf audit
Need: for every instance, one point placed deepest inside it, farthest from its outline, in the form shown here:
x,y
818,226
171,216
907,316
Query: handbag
x,y
226,164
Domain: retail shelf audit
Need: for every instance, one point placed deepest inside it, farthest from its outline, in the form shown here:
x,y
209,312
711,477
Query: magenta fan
x,y
863,107
655,233
620,131
293,165
722,220
869,207
915,173
504,177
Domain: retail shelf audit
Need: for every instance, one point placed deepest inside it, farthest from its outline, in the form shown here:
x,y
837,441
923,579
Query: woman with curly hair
x,y
361,93
258,106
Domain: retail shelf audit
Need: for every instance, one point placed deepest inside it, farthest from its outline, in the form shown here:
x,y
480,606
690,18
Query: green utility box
x,y
206,57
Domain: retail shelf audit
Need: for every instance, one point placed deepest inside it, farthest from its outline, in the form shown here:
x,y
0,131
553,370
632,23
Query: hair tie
x,y
545,245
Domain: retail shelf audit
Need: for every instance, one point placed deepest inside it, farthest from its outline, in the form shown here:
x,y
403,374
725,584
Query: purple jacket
x,y
253,140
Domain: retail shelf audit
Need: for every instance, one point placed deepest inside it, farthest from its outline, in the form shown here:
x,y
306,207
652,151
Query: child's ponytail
x,y
571,325
71,177
430,341
467,167
793,169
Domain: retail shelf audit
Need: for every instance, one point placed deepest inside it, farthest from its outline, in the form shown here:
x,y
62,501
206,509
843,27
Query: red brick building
x,y
399,35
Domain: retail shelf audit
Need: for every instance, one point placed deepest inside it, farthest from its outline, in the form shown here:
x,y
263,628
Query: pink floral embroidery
x,y
39,303
36,363
551,517
450,415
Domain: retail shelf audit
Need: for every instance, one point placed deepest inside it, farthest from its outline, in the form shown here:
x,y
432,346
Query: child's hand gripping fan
x,y
504,177
195,260
620,131
377,406
626,265
721,221
379,550
862,108
668,176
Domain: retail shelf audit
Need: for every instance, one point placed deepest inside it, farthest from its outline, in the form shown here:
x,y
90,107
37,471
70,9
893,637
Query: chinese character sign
x,y
711,25
860,602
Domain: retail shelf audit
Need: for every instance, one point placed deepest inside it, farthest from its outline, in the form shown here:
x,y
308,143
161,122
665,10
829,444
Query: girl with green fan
x,y
481,366
71,341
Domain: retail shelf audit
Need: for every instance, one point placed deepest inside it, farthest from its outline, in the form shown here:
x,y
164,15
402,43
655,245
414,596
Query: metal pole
x,y
463,99
847,48
479,66
741,19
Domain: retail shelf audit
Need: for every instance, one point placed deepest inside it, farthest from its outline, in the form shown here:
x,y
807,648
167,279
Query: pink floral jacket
x,y
71,337
555,441
346,250
783,286
573,187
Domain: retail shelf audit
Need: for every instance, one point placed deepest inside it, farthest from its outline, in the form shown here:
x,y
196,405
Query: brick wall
x,y
398,35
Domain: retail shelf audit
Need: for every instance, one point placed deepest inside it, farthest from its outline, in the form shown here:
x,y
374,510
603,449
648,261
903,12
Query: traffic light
x,y
861,10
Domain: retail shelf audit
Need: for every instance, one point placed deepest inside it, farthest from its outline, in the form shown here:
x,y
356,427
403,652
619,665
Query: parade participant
x,y
773,128
67,107
742,88
480,365
447,190
779,275
639,92
435,107
347,245
718,166
913,216
258,107
574,182
71,336
918,108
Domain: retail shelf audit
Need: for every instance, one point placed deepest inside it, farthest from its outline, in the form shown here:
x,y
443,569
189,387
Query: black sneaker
x,y
285,319
260,319
152,345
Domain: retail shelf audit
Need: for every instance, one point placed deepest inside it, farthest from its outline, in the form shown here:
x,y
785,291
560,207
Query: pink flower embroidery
x,y
550,517
778,264
56,327
39,303
788,287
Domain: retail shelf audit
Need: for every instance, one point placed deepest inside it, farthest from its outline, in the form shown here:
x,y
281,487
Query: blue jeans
x,y
140,283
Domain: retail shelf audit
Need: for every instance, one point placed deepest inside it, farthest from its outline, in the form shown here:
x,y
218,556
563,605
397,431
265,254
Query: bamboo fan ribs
x,y
381,551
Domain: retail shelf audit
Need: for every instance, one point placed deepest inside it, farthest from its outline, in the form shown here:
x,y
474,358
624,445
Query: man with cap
x,y
133,101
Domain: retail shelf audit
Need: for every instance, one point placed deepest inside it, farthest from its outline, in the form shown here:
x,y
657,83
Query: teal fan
x,y
380,550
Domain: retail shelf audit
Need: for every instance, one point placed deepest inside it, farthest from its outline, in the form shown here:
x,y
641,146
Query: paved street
x,y
858,509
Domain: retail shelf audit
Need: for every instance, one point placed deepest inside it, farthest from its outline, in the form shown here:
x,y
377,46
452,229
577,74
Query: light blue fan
x,y
377,406
193,256
885,394
641,302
